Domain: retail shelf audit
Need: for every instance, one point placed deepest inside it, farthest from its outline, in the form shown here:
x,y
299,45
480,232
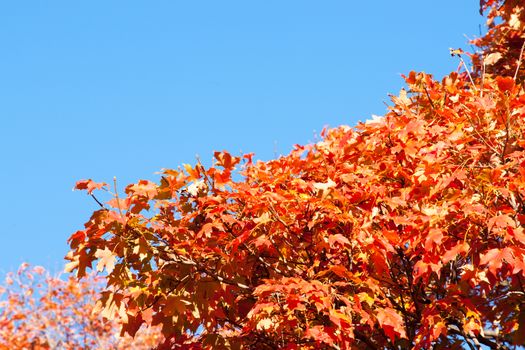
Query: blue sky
x,y
125,88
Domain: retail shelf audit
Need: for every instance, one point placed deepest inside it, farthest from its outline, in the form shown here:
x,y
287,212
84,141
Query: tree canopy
x,y
39,311
402,232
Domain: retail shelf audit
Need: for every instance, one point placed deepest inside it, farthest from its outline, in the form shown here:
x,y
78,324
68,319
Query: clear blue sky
x,y
97,89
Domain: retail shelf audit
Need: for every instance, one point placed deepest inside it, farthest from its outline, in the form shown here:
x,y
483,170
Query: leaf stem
x,y
116,195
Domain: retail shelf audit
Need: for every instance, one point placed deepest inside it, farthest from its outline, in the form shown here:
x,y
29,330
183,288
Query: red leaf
x,y
89,185
321,334
392,323
505,83
455,251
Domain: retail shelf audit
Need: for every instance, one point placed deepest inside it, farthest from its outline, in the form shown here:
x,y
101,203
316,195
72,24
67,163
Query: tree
x,y
403,232
38,311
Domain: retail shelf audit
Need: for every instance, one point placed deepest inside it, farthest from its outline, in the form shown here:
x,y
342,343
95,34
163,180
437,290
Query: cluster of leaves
x,y
38,311
501,48
403,232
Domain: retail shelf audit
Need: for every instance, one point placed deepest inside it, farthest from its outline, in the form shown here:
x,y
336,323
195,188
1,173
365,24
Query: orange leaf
x,y
89,185
339,239
144,188
495,258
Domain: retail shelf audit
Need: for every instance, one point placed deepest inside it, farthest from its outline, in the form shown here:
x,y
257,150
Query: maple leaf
x,y
264,324
89,185
494,259
71,266
174,305
106,259
501,221
143,188
196,187
323,188
492,58
435,236
391,322
505,83
339,239
402,99
226,160
117,203
320,334
194,173
453,252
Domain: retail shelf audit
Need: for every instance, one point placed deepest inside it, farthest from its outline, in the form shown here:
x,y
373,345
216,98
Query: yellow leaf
x,y
492,58
107,259
264,324
263,219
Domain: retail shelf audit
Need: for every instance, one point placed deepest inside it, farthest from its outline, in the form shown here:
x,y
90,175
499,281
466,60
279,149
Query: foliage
x,y
38,311
403,232
502,45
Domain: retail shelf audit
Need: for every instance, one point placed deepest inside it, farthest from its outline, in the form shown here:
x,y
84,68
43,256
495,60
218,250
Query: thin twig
x,y
211,182
428,96
519,60
96,200
276,216
116,195
483,67
468,72
458,53
200,268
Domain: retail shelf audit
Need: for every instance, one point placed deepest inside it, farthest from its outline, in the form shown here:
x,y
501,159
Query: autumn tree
x,y
40,311
404,232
